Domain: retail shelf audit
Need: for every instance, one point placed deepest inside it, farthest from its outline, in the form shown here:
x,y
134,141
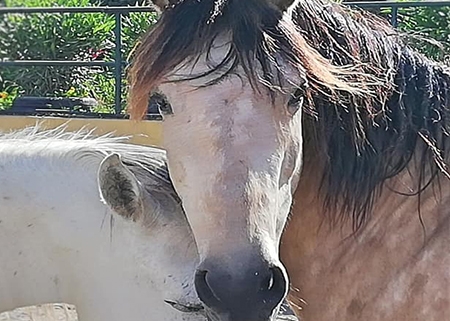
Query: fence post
x,y
118,62
394,16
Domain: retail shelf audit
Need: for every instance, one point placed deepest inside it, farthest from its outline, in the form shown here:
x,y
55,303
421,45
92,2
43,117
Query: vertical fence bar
x,y
394,16
118,62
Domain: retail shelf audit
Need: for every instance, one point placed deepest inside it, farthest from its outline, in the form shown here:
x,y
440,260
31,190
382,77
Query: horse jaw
x,y
234,157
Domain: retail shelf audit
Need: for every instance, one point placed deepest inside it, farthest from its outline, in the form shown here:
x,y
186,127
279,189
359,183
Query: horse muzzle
x,y
251,296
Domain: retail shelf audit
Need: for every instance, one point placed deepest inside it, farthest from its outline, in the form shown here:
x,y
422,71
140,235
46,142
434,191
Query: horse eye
x,y
159,104
296,101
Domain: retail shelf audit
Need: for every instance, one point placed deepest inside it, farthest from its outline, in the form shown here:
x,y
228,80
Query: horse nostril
x,y
268,282
204,291
276,285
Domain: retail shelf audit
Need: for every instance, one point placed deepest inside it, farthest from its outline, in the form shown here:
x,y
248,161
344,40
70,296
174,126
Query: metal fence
x,y
118,63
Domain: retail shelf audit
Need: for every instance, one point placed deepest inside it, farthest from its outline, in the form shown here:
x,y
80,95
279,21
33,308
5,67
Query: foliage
x,y
120,2
429,28
7,96
78,36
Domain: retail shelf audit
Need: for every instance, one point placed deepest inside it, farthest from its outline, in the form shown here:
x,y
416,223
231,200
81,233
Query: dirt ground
x,y
65,312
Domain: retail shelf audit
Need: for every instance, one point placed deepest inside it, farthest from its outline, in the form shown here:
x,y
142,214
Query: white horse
x,y
131,259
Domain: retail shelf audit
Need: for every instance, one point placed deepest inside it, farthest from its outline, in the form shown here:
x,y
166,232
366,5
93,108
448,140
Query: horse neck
x,y
51,207
346,276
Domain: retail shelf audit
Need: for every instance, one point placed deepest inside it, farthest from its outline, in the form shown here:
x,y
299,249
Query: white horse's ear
x,y
119,188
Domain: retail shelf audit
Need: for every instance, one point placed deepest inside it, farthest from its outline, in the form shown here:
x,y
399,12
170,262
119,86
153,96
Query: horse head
x,y
236,74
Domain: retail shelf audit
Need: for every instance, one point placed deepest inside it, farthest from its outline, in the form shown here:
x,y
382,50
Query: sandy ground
x,y
65,312
46,312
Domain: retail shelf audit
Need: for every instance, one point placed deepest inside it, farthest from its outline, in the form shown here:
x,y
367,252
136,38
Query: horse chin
x,y
217,318
213,316
207,313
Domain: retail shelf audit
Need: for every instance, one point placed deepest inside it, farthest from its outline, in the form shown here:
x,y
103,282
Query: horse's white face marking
x,y
234,157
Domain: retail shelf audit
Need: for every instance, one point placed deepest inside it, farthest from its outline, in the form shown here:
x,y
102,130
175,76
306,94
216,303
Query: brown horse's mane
x,y
260,35
368,141
371,99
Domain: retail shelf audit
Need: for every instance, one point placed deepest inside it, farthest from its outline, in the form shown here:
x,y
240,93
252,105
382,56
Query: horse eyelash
x,y
219,80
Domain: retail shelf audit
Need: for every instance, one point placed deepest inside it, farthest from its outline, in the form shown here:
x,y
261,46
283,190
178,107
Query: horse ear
x,y
282,4
161,4
119,188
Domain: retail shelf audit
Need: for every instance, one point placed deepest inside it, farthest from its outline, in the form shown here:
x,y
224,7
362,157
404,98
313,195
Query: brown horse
x,y
316,106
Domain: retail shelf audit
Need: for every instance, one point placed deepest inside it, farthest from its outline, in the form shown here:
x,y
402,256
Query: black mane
x,y
370,140
364,139
259,37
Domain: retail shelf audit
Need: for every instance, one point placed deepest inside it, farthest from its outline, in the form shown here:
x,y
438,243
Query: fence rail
x,y
118,63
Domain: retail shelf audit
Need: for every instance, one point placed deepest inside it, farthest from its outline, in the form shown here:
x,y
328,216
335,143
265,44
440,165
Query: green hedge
x,y
428,30
64,37
120,2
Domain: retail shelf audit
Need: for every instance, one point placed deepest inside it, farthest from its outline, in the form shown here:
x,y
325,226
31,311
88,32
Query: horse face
x,y
162,240
234,156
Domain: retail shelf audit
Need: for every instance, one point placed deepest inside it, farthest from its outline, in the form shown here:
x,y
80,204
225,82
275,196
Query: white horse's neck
x,y
64,245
